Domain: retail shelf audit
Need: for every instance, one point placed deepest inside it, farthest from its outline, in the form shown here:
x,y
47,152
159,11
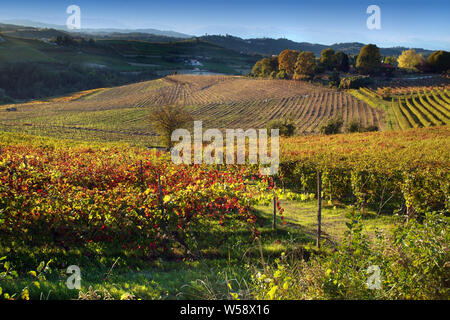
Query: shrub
x,y
285,126
332,126
371,128
353,126
411,263
354,82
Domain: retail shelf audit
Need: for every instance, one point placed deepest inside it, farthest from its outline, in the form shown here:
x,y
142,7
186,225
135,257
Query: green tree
x,y
369,60
305,65
390,60
287,60
342,61
265,67
328,59
439,61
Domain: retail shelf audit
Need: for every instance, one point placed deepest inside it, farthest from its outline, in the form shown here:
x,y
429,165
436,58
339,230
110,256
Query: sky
x,y
408,23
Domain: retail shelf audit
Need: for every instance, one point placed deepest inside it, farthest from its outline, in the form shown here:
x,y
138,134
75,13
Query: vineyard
x,y
94,204
79,186
410,107
119,113
407,169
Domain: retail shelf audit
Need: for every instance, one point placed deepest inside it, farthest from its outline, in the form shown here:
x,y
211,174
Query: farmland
x,y
98,205
119,113
79,186
410,107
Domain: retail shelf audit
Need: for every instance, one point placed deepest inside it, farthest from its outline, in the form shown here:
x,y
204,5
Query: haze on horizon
x,y
403,23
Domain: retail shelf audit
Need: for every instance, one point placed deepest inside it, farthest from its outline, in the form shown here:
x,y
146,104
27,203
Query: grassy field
x,y
119,113
201,279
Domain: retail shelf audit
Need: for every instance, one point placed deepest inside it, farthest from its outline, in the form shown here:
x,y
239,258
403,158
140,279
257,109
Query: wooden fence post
x,y
274,221
319,204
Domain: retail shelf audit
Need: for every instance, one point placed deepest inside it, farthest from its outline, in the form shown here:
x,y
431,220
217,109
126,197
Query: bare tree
x,y
165,119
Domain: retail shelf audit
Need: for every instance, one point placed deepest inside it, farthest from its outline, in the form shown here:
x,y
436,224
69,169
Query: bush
x,y
409,264
353,126
285,126
354,82
371,128
332,125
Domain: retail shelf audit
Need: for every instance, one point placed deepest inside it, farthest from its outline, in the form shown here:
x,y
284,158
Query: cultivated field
x,y
410,107
119,113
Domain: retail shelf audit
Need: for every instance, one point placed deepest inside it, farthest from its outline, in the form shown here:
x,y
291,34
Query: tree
x,y
287,60
274,63
334,79
328,59
369,59
439,61
282,75
409,59
265,67
342,61
166,119
305,65
390,60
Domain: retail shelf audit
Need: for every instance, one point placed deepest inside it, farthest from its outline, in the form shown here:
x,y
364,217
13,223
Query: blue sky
x,y
410,23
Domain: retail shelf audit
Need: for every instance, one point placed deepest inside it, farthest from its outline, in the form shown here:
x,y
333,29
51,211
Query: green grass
x,y
303,216
180,277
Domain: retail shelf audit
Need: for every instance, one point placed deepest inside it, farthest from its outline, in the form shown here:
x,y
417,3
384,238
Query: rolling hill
x,y
40,25
268,46
120,113
33,68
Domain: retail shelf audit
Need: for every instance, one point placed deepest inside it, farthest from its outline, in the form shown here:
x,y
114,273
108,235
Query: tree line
x,y
292,64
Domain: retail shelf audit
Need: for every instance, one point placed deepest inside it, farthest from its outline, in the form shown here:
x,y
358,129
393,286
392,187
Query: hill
x,y
120,113
40,25
268,46
31,68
